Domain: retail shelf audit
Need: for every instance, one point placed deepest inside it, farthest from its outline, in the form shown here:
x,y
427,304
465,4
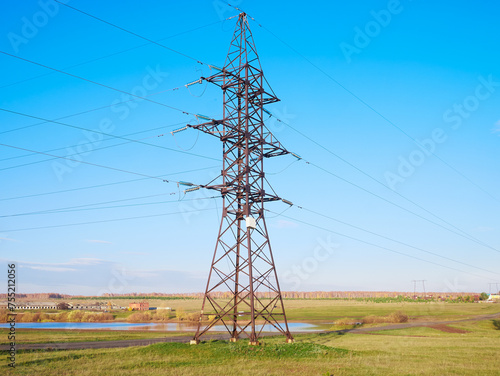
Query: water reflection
x,y
164,327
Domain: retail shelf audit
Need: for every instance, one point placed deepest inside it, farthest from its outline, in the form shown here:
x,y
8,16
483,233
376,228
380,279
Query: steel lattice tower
x,y
243,291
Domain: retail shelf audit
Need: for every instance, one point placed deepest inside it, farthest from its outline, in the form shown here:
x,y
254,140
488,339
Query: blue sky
x,y
406,92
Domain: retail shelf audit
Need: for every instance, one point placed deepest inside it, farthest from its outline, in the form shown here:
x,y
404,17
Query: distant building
x,y
141,306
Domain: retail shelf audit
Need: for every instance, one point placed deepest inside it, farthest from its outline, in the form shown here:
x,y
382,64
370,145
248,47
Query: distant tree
x,y
483,296
62,305
180,314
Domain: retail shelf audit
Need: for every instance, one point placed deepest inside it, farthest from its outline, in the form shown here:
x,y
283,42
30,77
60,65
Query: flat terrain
x,y
439,339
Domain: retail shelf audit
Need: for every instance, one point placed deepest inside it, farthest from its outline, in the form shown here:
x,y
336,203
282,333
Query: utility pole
x,y
243,270
496,284
415,281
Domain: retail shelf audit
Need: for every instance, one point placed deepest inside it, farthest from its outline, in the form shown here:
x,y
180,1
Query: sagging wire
x,y
175,139
286,168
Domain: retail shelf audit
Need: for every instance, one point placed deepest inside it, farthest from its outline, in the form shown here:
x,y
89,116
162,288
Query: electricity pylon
x,y
242,291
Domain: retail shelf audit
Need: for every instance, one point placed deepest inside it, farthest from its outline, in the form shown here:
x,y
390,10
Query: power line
x,y
393,240
462,233
375,245
87,207
82,112
106,220
415,141
76,153
131,32
105,134
91,164
91,142
102,185
115,53
96,83
468,236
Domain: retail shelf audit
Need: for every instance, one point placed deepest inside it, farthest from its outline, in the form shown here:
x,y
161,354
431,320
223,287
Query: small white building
x,y
494,298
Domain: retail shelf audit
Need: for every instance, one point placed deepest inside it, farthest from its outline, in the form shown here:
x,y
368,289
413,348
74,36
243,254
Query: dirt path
x,y
415,324
440,325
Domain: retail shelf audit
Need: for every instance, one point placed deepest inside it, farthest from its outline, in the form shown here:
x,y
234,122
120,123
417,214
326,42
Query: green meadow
x,y
461,348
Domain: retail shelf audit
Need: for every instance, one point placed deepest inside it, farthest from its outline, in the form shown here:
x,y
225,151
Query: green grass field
x,y
473,350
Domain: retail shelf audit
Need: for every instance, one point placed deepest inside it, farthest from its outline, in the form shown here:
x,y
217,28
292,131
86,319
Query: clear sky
x,y
402,99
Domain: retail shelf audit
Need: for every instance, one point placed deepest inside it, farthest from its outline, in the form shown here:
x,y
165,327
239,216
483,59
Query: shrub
x,y
180,314
496,324
162,315
345,321
398,317
62,317
75,316
139,317
3,315
211,317
395,317
192,317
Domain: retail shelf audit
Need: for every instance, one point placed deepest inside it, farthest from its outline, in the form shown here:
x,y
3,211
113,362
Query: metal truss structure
x,y
242,292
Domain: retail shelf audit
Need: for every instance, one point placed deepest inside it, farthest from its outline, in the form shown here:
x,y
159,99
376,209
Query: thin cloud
x,y
484,229
9,239
72,262
98,241
286,224
52,268
136,253
497,127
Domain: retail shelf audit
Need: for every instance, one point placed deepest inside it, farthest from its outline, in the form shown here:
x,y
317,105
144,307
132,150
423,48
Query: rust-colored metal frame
x,y
242,290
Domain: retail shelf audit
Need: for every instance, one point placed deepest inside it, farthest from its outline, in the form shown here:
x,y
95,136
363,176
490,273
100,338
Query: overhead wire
x,y
77,153
415,141
376,245
392,239
96,83
93,142
93,164
104,221
101,185
94,206
131,32
176,52
117,53
468,236
105,134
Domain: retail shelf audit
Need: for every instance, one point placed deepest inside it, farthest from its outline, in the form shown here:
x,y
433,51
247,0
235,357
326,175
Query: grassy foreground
x,y
466,348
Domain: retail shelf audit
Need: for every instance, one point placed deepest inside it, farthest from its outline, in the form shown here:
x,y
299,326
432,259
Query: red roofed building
x,y
141,306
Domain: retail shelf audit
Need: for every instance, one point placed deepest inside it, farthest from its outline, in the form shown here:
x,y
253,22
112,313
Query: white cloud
x,y
52,268
98,241
9,239
86,261
484,229
93,276
497,127
286,224
136,253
